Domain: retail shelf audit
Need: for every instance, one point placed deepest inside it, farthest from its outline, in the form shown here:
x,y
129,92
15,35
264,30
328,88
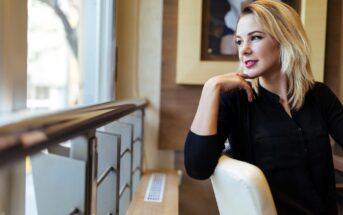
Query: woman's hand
x,y
231,82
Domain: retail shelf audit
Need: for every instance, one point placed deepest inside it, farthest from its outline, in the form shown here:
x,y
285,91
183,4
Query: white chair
x,y
241,188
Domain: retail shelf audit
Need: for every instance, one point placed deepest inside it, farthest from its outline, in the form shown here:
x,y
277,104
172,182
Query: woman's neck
x,y
277,84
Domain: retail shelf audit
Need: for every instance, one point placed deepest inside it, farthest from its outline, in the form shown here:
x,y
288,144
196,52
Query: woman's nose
x,y
246,48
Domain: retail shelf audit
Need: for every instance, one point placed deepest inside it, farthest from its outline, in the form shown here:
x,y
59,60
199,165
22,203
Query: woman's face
x,y
259,53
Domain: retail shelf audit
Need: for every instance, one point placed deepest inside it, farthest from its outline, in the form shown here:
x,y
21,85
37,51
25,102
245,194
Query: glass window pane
x,y
54,77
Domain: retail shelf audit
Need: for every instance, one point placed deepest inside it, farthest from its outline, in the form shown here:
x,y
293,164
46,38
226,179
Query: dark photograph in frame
x,y
219,19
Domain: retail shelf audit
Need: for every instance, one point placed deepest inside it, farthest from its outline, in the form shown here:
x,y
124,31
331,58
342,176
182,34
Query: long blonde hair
x,y
283,23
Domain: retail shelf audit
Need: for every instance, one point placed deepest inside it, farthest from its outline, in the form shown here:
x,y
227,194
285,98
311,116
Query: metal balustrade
x,y
97,173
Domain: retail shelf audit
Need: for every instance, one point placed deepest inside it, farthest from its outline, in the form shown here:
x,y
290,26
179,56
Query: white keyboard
x,y
155,190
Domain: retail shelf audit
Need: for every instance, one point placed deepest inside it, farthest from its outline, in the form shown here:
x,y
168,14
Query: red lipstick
x,y
250,63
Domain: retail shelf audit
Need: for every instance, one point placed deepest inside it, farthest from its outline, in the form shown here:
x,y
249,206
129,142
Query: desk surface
x,y
170,203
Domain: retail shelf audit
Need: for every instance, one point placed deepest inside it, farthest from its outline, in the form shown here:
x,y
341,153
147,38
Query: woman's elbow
x,y
199,173
199,167
201,156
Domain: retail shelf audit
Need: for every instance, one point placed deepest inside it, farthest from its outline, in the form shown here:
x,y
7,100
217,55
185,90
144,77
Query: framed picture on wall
x,y
219,19
202,29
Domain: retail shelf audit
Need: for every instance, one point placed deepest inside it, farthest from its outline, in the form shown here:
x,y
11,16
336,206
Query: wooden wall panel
x,y
178,102
333,75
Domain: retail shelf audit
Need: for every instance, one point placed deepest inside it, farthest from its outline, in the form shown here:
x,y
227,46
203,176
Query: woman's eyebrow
x,y
253,32
250,33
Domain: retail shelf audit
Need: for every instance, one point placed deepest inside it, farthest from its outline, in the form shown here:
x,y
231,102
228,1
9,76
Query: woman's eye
x,y
256,37
238,42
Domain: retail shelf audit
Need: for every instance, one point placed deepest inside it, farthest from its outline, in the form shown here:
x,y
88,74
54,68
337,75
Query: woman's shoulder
x,y
325,97
320,85
322,90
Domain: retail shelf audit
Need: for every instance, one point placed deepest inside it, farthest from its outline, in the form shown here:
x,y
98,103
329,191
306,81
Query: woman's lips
x,y
250,63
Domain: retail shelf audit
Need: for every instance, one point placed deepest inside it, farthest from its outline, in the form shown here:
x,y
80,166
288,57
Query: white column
x,y
149,80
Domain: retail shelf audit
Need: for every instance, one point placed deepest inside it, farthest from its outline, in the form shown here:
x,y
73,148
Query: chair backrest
x,y
241,188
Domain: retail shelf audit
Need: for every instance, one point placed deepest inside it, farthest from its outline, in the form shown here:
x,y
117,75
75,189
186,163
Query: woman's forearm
x,y
205,120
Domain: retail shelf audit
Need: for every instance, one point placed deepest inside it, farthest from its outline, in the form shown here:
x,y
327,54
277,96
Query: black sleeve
x,y
333,112
202,152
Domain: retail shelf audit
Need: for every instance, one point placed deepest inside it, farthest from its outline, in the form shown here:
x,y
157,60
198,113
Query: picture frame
x,y
191,69
216,38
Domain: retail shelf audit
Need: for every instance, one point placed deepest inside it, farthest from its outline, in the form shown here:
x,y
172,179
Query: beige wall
x,y
13,28
314,18
127,44
139,39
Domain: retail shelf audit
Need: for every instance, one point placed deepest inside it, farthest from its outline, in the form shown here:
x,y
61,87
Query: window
x,y
70,58
70,53
42,93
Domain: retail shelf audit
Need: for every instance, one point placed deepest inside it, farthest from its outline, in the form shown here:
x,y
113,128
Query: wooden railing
x,y
100,166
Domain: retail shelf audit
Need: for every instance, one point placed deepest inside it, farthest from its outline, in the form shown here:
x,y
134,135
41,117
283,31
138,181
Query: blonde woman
x,y
273,113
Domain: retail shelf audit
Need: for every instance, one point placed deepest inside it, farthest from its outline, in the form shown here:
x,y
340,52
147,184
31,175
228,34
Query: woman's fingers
x,y
244,75
248,89
244,84
234,81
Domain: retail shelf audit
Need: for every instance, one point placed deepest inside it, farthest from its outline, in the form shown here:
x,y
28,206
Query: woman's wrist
x,y
213,85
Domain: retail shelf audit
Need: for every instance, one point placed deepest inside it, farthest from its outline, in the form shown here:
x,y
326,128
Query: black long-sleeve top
x,y
294,152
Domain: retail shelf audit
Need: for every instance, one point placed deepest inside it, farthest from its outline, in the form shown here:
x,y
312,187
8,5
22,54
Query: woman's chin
x,y
251,73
